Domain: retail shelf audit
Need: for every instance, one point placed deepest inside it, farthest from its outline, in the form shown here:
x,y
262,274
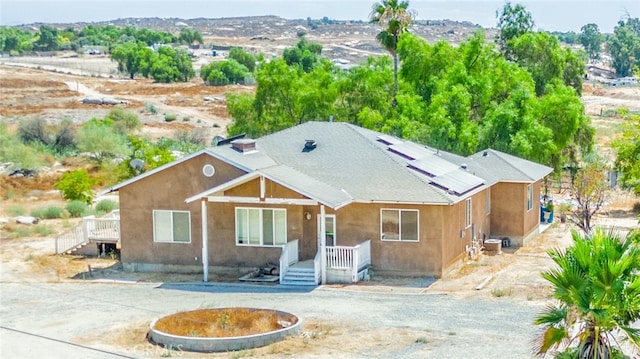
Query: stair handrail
x,y
317,271
288,257
69,240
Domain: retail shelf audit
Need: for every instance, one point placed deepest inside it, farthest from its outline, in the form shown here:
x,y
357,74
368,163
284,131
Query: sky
x,y
549,15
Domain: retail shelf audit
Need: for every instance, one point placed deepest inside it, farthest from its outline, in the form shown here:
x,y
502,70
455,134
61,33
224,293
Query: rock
x,y
27,220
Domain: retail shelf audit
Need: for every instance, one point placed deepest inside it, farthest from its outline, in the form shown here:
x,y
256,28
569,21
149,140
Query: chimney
x,y
244,145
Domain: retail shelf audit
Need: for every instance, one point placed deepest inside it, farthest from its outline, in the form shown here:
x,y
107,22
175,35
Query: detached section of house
x,y
323,201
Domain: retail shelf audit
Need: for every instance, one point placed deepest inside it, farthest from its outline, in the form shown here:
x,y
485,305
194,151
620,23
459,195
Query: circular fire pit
x,y
223,329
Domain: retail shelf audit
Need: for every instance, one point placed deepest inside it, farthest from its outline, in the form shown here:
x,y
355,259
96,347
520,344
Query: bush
x,y
34,130
123,120
151,108
76,208
76,185
170,117
106,206
16,210
43,230
47,213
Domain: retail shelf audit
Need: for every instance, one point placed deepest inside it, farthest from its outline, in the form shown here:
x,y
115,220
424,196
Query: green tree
x,y
513,22
627,149
47,39
541,55
128,57
624,46
305,54
15,41
76,186
171,65
244,58
591,39
189,36
596,287
221,73
394,17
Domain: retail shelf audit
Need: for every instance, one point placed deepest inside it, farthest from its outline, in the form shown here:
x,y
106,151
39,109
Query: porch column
x,y
323,245
205,240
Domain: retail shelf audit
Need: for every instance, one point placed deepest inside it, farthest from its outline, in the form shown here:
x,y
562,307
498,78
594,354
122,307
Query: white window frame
x,y
467,213
529,197
400,210
487,203
261,225
157,236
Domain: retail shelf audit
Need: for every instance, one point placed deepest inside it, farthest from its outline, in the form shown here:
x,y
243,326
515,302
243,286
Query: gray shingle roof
x,y
350,163
508,168
353,164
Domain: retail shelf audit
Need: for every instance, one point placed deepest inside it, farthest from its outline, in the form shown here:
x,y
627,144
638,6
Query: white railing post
x,y
354,267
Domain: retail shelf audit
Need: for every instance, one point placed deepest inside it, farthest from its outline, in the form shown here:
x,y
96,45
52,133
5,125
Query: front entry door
x,y
330,229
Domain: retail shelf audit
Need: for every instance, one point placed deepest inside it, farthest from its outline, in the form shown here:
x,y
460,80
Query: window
x,y
261,226
399,225
171,226
487,201
467,213
529,197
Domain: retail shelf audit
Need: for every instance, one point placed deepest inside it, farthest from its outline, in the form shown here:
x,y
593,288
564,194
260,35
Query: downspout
x,y
205,240
323,245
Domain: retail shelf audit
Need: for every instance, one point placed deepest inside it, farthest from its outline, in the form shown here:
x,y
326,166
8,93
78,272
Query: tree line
x,y
16,41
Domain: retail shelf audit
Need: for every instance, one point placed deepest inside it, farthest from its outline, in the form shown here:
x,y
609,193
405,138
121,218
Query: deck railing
x,y
102,229
288,257
105,229
353,259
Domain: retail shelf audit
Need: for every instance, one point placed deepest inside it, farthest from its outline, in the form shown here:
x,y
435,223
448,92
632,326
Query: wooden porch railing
x,y
288,257
105,229
350,258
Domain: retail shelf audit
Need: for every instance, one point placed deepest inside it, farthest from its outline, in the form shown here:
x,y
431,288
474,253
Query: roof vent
x,y
463,166
309,145
244,145
485,153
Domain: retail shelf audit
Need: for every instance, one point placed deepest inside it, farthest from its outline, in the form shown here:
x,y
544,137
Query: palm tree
x,y
597,290
394,18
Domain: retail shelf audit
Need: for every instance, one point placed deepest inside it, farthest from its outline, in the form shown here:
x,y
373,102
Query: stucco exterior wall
x,y
166,190
509,214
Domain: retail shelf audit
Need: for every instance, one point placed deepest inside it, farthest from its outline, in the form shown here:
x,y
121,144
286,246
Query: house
x,y
360,197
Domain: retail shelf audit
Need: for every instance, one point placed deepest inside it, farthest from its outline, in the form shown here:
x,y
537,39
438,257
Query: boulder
x,y
27,220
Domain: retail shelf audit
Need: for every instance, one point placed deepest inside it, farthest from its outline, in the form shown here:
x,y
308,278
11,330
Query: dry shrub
x,y
222,322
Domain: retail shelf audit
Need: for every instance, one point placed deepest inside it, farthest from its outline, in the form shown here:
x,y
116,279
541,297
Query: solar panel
x,y
432,165
458,181
409,150
389,140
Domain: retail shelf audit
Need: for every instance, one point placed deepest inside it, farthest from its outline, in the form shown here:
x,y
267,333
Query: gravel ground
x,y
54,319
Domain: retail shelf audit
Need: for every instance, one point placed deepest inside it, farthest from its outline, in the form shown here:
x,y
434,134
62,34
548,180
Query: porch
x,y
91,230
341,264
